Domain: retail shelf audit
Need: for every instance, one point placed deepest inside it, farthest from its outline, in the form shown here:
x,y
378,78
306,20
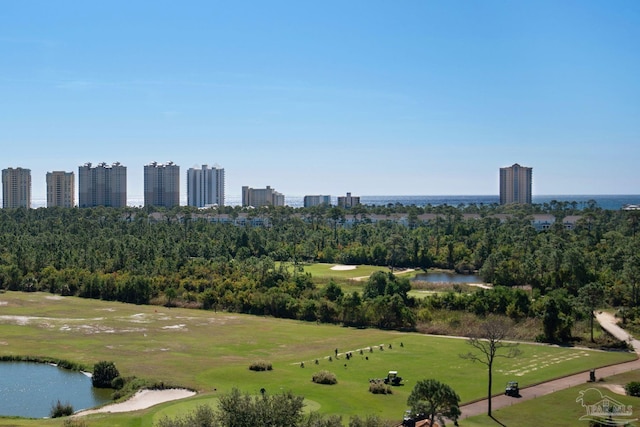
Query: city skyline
x,y
411,98
210,189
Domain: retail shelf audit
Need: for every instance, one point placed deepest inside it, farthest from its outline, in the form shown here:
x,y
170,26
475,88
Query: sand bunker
x,y
343,267
616,388
480,285
142,400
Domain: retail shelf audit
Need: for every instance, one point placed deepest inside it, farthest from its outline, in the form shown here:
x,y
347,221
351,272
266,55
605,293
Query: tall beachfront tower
x,y
16,188
162,184
102,185
61,189
205,186
515,184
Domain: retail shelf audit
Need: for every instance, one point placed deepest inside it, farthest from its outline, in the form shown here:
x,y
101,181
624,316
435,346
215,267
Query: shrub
x,y
379,387
103,374
129,386
118,383
633,388
261,365
369,421
424,315
74,422
324,377
60,409
203,416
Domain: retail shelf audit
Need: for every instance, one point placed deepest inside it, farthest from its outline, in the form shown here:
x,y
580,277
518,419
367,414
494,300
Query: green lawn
x,y
325,271
559,408
204,351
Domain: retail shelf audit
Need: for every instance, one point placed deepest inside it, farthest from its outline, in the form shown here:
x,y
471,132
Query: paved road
x,y
608,322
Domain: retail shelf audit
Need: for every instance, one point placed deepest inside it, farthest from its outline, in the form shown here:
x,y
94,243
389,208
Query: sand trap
x,y
343,267
142,400
480,285
616,388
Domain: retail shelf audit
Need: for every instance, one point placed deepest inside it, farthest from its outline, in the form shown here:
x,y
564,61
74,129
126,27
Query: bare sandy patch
x,y
179,327
339,267
142,400
3,303
616,388
480,285
54,297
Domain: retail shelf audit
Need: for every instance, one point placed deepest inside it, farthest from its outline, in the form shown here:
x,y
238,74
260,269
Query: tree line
x,y
126,255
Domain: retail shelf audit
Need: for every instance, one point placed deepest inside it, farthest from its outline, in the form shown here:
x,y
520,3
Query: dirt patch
x,y
179,327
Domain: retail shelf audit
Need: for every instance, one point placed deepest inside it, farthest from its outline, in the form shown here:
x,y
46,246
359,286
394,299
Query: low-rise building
x,y
257,197
316,201
348,201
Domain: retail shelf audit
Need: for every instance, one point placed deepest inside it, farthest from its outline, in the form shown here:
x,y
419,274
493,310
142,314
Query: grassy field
x,y
211,352
560,408
325,271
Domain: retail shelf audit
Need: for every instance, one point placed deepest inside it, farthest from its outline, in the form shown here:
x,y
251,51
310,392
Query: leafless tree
x,y
488,342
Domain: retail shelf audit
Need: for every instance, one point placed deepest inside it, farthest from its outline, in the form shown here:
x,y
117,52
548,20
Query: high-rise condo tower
x,y
515,184
102,185
162,184
205,186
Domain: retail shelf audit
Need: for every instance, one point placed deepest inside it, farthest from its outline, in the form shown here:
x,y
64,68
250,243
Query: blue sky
x,y
372,97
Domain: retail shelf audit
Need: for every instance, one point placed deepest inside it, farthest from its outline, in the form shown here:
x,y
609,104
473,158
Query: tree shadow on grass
x,y
497,421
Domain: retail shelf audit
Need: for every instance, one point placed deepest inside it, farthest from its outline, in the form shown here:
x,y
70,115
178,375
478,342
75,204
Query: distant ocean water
x,y
604,201
612,202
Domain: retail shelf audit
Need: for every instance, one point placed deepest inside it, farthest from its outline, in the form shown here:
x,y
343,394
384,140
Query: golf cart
x,y
393,378
512,389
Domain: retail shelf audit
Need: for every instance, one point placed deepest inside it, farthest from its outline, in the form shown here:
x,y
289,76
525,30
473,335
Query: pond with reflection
x,y
31,389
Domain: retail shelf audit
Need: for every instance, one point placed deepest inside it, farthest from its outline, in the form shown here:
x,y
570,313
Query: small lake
x,y
31,389
444,277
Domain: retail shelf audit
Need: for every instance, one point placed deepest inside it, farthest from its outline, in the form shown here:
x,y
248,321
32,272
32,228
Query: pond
x,y
446,277
31,389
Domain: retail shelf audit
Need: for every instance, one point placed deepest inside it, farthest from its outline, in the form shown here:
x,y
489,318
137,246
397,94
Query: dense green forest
x,y
142,255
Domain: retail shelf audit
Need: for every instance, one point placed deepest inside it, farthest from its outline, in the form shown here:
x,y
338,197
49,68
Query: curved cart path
x,y
609,323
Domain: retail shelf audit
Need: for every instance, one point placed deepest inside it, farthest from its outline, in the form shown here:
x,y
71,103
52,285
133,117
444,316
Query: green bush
x,y
203,416
633,388
379,387
103,373
261,365
74,422
118,383
60,409
324,377
129,387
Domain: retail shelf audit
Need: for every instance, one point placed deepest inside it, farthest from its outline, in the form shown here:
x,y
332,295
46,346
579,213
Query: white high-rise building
x,y
205,186
102,185
162,184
